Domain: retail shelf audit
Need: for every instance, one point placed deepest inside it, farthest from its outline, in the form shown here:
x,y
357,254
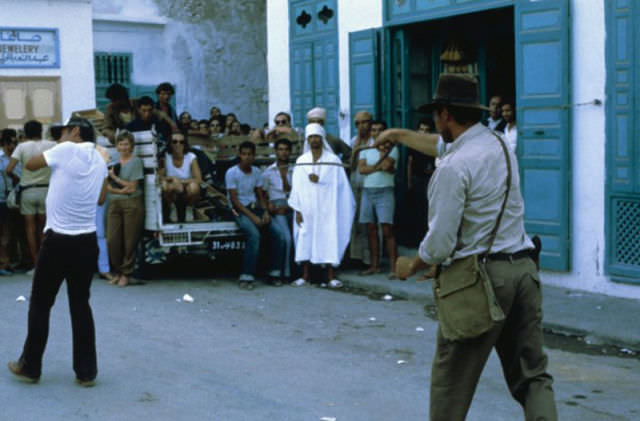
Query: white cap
x,y
317,112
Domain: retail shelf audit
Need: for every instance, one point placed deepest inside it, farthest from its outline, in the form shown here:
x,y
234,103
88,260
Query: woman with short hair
x,y
125,217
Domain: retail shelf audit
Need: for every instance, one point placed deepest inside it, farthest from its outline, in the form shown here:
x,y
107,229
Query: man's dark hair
x,y
282,141
247,145
284,114
33,129
165,86
117,92
462,115
7,134
380,122
145,100
245,129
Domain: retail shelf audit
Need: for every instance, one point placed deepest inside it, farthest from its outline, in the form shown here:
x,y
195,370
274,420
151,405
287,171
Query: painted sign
x,y
29,47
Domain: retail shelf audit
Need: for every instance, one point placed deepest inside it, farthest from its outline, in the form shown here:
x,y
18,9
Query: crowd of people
x,y
261,199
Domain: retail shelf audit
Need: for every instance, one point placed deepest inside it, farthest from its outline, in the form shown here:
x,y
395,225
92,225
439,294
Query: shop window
x,y
15,104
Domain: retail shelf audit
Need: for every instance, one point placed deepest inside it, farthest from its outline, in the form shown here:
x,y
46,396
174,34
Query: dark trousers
x,y
70,257
518,341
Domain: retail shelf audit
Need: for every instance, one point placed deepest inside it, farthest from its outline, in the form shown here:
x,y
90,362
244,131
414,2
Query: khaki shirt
x,y
465,196
27,150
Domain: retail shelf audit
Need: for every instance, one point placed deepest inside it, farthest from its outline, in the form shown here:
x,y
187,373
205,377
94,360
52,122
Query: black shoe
x,y
85,382
17,369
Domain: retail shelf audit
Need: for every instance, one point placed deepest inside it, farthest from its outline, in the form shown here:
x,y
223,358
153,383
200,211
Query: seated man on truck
x,y
244,188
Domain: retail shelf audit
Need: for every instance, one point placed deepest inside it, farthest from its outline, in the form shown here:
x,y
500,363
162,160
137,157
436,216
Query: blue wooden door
x,y
364,72
301,81
325,76
544,149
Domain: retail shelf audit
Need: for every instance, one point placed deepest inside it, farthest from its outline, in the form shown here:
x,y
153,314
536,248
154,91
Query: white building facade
x,y
569,65
44,71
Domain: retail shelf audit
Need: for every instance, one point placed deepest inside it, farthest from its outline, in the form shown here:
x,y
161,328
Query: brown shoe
x,y
17,369
85,382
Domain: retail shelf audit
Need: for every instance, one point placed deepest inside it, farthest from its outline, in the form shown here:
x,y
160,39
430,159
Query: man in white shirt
x,y
510,128
465,198
69,250
359,246
276,180
378,200
495,121
34,185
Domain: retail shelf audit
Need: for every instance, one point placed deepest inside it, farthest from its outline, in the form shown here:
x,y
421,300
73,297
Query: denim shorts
x,y
378,204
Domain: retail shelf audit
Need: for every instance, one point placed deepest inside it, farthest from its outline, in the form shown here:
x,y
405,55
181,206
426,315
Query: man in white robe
x,y
324,206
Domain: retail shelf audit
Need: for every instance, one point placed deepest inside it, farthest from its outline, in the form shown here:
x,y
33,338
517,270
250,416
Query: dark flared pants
x,y
518,341
70,257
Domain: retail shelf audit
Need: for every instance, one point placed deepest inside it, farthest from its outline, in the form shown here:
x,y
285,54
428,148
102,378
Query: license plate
x,y
227,245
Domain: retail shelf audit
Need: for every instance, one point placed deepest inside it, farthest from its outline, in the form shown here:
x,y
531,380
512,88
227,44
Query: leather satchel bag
x,y
465,299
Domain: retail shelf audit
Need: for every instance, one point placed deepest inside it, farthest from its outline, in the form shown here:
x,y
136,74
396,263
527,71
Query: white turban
x,y
318,112
315,129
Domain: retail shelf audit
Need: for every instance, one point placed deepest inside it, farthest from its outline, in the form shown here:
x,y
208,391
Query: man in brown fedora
x,y
466,195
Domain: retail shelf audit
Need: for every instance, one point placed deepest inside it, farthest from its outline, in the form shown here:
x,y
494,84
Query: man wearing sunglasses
x,y
282,128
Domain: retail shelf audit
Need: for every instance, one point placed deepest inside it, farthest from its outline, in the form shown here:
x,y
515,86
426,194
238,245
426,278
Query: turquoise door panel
x,y
301,81
623,148
544,150
363,72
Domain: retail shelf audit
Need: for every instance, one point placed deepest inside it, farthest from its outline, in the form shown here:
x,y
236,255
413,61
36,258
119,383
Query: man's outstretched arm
x,y
428,144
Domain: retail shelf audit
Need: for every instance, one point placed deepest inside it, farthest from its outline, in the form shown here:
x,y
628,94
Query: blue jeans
x,y
252,248
103,251
281,242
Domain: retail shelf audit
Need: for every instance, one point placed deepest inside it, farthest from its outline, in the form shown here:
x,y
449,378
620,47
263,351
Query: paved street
x,y
270,354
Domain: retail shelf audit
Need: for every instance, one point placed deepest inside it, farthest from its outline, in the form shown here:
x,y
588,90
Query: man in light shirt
x,y
465,197
276,184
69,250
510,128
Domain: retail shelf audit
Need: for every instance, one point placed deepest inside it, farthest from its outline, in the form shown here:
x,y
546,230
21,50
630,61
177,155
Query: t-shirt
x,y
27,150
78,172
244,184
378,178
183,172
131,171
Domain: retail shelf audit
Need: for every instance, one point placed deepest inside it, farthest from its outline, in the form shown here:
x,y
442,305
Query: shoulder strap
x,y
492,236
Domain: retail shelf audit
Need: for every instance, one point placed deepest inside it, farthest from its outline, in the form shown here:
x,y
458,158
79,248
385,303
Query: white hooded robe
x,y
327,207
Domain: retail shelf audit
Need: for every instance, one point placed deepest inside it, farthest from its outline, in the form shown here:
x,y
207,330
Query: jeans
x,y
281,242
103,251
252,248
70,257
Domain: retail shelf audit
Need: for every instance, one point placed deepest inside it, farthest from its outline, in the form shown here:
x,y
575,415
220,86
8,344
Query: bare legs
x,y
181,193
389,238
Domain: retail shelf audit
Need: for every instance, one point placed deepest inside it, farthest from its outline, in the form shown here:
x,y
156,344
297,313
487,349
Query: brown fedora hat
x,y
456,90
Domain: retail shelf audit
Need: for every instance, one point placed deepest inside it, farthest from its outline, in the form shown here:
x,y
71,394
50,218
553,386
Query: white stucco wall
x,y
73,20
588,76
352,16
278,57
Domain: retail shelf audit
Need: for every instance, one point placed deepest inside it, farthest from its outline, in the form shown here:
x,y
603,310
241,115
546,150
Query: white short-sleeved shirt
x,y
244,184
78,172
273,184
378,178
